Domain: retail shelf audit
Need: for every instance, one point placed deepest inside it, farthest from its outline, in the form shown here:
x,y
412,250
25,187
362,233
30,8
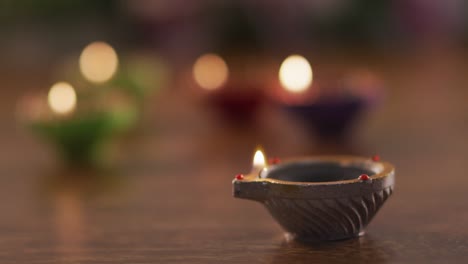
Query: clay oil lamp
x,y
327,105
319,198
77,125
231,92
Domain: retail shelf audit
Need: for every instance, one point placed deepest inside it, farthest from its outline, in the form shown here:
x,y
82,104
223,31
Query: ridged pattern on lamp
x,y
327,219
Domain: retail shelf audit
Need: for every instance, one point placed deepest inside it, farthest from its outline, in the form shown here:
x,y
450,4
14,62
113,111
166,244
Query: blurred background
x,y
118,116
354,47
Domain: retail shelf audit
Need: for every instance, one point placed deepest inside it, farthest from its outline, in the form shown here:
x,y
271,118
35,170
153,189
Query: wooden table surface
x,y
168,199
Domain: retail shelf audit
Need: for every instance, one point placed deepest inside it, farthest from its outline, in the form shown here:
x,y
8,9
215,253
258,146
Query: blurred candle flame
x,y
98,62
295,74
62,98
259,160
210,71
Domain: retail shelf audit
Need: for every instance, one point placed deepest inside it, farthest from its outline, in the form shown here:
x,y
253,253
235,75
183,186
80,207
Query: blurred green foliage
x,y
363,23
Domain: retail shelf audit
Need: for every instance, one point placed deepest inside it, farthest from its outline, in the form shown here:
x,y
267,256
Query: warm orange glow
x,y
210,71
62,98
295,74
98,62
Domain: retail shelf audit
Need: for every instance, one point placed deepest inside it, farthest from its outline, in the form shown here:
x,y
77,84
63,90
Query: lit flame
x,y
210,71
259,160
62,98
98,62
295,74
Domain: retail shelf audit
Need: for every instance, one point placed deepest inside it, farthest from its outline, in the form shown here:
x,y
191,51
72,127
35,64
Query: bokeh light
x,y
98,62
210,71
62,98
295,74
